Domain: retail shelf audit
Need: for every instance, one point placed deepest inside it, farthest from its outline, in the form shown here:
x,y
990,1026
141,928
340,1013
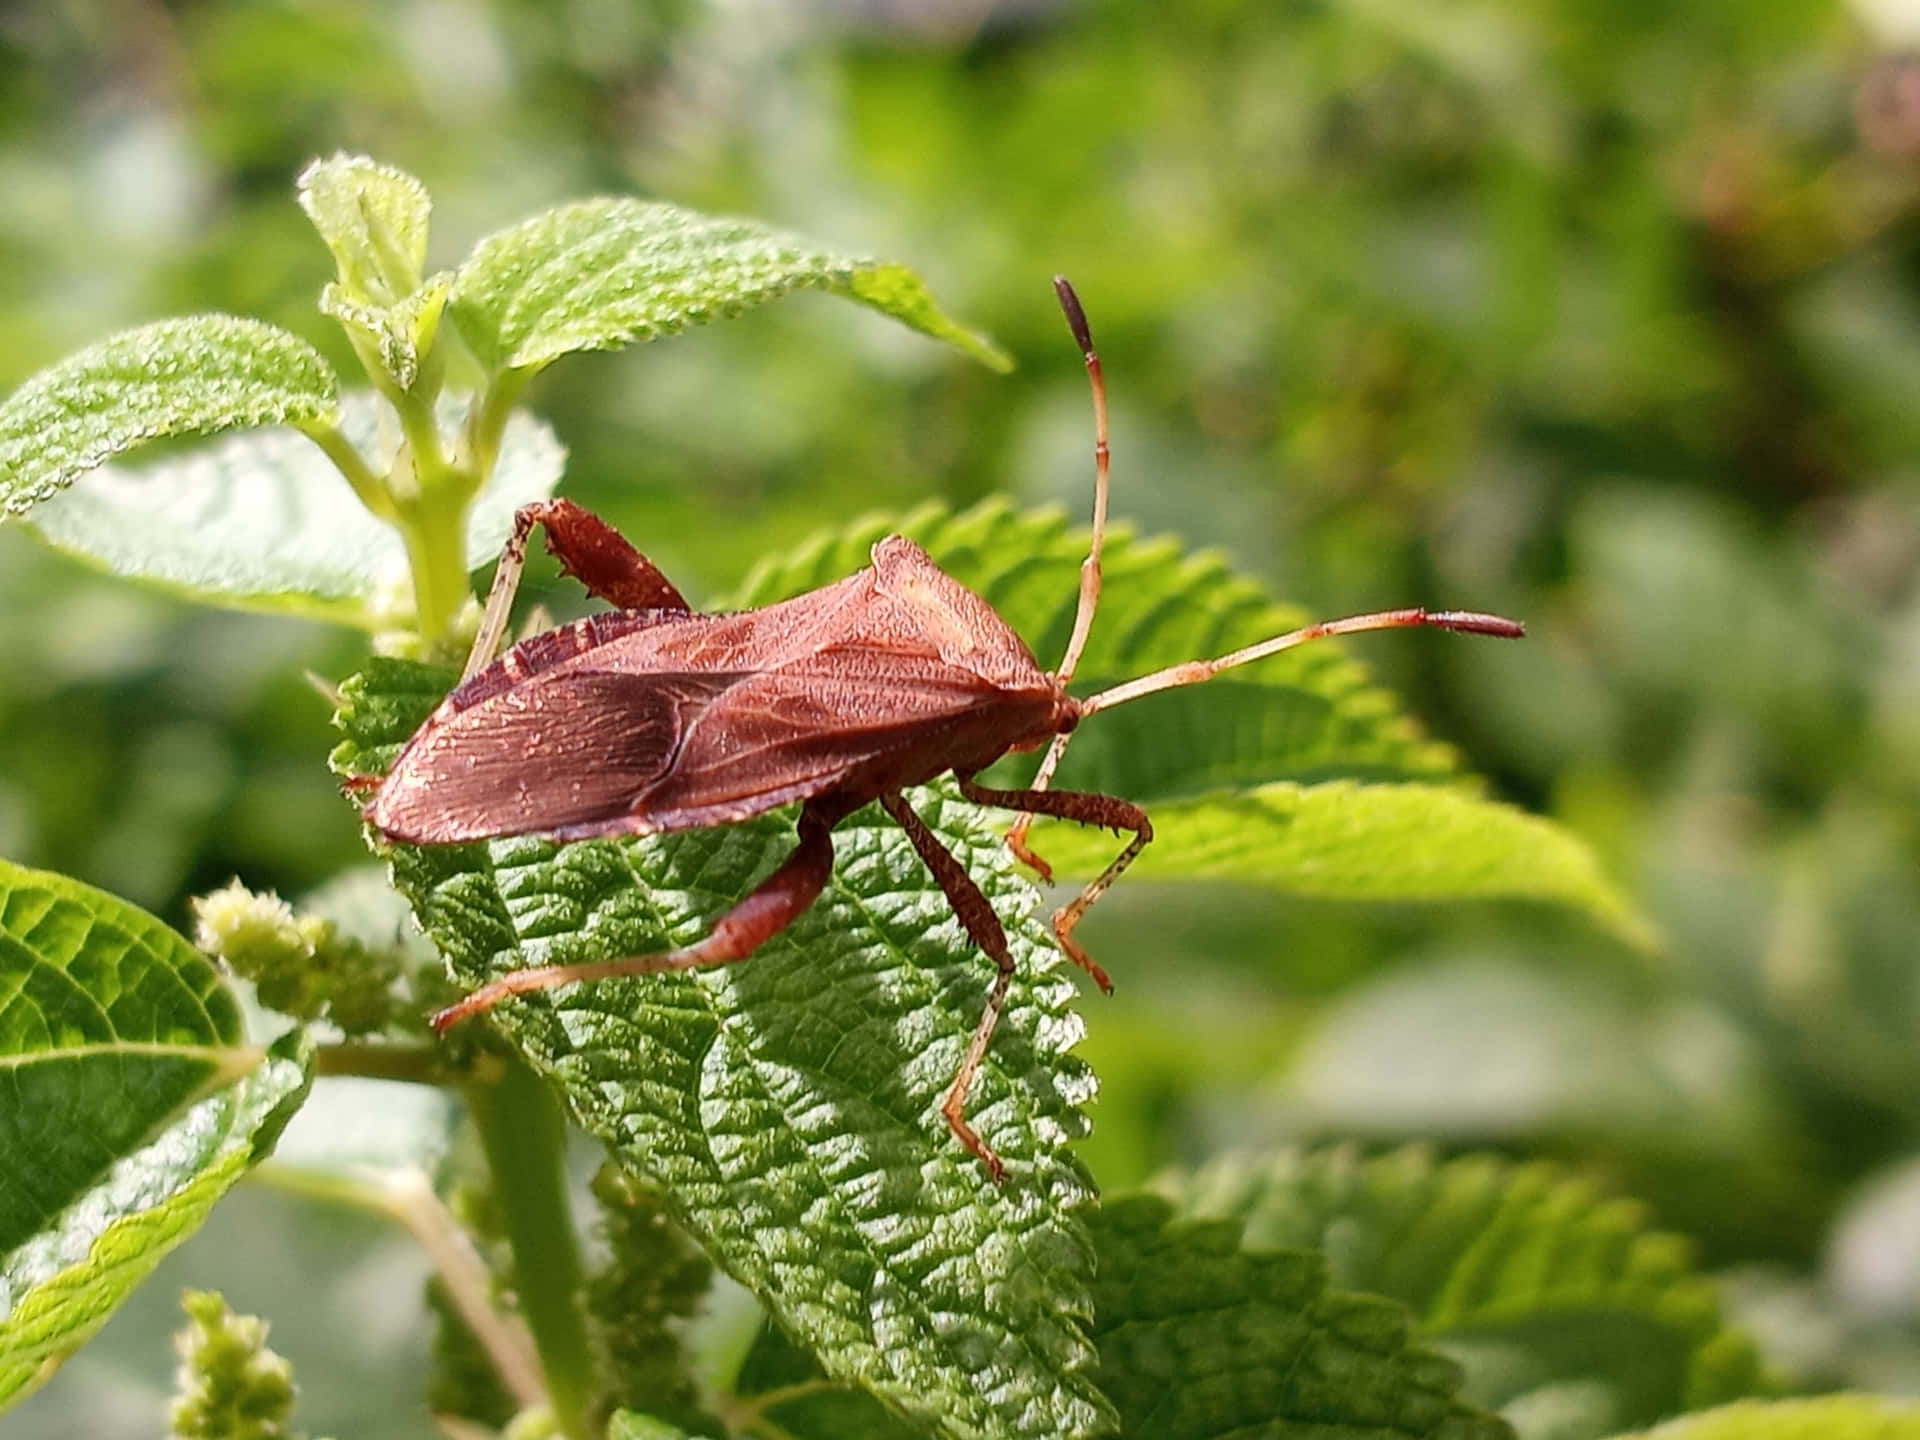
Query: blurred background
x,y
1602,313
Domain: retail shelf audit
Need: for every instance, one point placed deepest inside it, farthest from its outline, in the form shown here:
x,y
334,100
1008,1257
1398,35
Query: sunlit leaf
x,y
191,376
112,1032
1829,1417
602,273
374,220
1347,841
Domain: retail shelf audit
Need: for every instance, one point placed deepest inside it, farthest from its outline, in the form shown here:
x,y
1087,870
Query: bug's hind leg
x,y
590,550
975,913
776,903
1107,811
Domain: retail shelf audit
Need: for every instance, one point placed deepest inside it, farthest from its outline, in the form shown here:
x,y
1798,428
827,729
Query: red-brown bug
x,y
653,718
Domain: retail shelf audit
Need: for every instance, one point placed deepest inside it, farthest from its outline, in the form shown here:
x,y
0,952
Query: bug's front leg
x,y
975,913
1107,811
590,550
773,905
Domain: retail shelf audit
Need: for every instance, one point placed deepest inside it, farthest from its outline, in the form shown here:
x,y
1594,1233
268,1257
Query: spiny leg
x,y
1089,568
1107,811
590,550
774,904
975,913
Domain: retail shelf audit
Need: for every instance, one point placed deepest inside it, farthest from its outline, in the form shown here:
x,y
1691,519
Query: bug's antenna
x,y
1090,567
1468,622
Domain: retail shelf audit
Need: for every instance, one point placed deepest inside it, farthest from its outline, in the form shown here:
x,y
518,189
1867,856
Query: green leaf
x,y
263,521
789,1106
1310,714
631,1425
374,220
1569,1314
110,1025
190,376
62,1285
1202,1338
784,1383
1830,1417
1347,841
598,274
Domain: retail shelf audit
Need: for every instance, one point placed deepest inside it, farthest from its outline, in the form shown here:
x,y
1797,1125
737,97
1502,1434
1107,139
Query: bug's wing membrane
x,y
876,721
575,751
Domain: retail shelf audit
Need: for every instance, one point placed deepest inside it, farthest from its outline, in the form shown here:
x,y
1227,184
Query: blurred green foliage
x,y
1603,313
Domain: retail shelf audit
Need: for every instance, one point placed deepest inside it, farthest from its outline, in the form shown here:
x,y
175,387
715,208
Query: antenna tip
x,y
1076,317
1471,622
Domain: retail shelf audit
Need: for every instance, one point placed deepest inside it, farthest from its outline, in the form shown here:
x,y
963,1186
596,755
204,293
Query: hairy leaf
x,y
374,220
1202,1338
1347,841
1829,1417
110,1025
789,1106
1308,715
598,274
1569,1315
263,521
65,1282
190,376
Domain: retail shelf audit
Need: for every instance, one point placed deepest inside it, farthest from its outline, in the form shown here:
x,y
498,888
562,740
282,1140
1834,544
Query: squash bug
x,y
652,718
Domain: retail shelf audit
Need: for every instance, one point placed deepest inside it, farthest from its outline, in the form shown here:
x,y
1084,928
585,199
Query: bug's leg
x,y
1107,811
975,913
776,903
588,549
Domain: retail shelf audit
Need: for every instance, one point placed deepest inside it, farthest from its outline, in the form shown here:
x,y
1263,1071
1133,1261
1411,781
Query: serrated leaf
x,y
1829,1417
1203,1337
373,218
263,521
191,376
1308,715
1348,841
789,1106
602,273
110,1024
62,1285
1569,1314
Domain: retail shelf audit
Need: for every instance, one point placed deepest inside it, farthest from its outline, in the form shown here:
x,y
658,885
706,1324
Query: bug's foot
x,y
359,786
969,1137
1077,953
1017,843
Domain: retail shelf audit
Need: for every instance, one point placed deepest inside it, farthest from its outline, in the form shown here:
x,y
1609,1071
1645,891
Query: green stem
x,y
525,1136
350,463
418,1064
488,420
434,528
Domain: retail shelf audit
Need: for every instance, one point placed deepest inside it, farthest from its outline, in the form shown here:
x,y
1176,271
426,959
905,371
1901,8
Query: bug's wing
x,y
569,749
